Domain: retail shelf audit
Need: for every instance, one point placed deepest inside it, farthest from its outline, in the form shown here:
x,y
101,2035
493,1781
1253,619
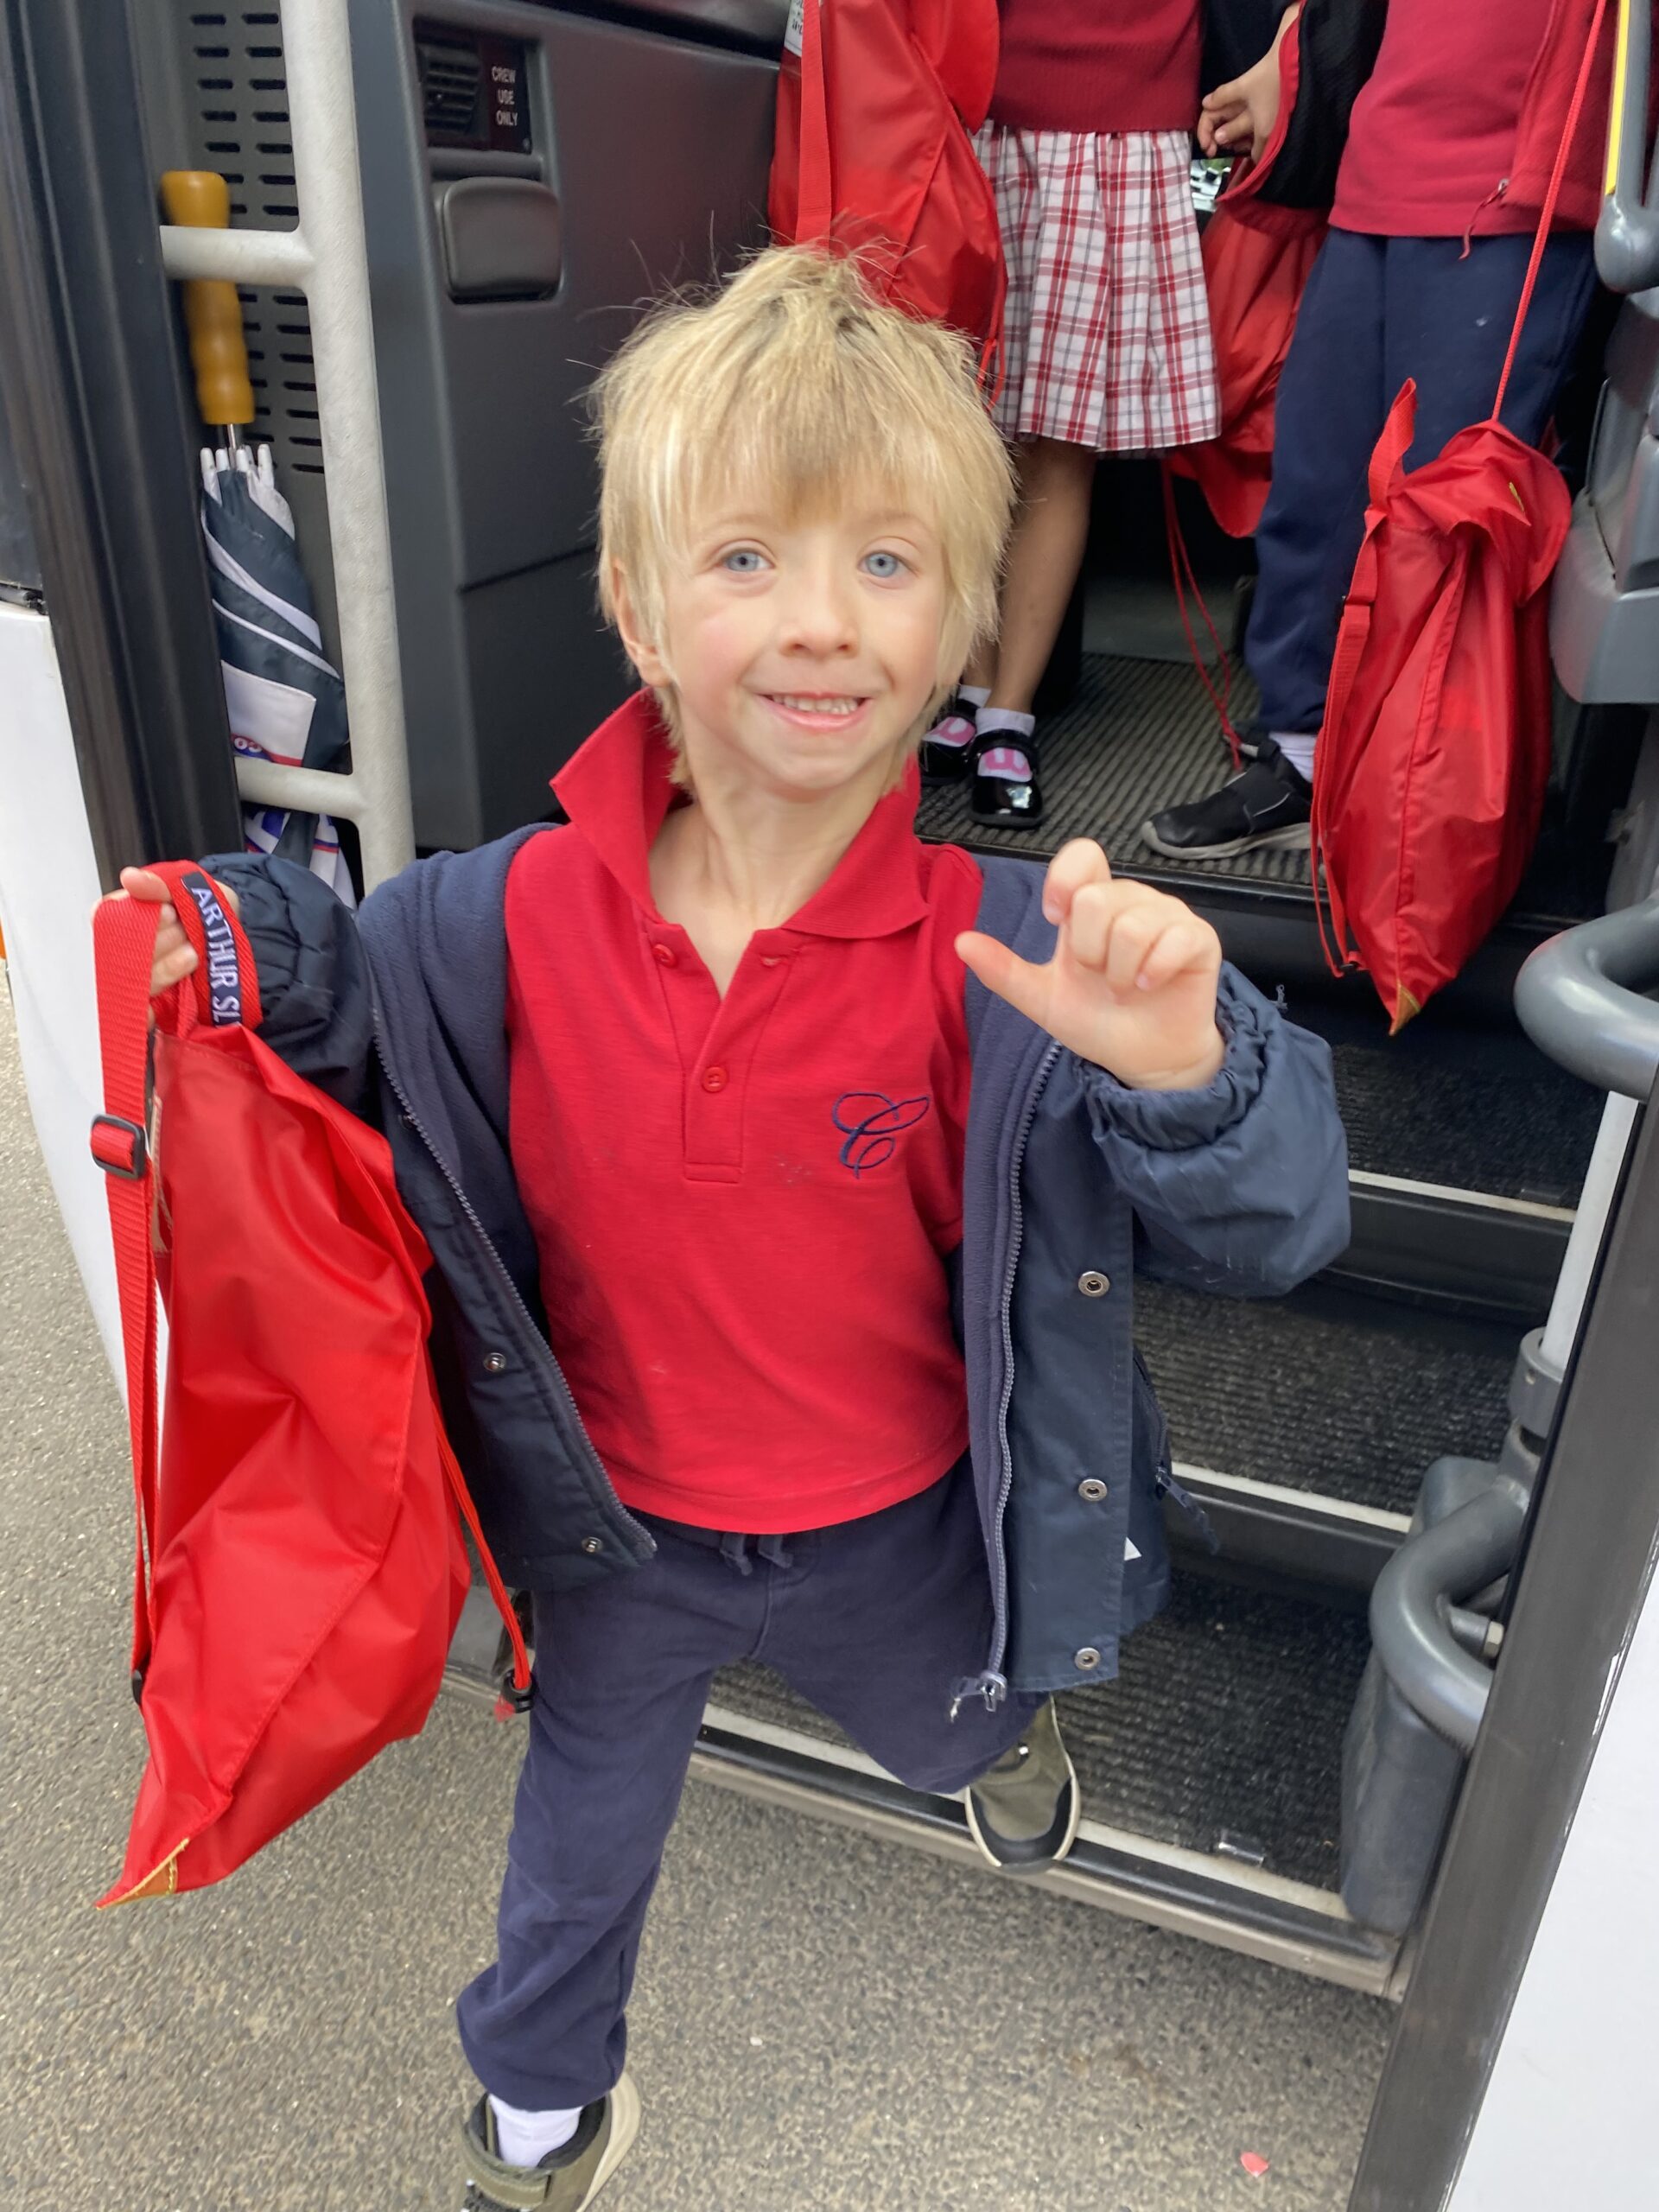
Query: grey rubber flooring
x,y
1226,1722
1327,1390
1480,1111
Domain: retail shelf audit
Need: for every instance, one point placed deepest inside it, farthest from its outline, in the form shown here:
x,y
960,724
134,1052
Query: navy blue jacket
x,y
1072,1181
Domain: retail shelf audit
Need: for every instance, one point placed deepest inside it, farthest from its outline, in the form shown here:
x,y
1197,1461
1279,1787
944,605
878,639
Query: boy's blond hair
x,y
795,379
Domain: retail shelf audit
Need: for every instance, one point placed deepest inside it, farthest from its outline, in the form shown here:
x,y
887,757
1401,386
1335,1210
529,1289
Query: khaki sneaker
x,y
1024,1811
568,2179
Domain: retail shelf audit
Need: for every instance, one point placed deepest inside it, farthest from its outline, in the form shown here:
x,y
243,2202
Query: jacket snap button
x,y
591,1544
1092,1490
715,1078
666,955
1086,1659
495,1363
1093,1284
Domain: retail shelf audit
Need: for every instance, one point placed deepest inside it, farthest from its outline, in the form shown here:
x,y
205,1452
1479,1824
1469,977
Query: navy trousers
x,y
1377,310
874,1621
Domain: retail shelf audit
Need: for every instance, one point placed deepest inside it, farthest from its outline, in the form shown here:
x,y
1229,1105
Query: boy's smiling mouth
x,y
817,709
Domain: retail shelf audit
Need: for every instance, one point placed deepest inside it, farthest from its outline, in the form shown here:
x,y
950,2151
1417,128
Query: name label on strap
x,y
224,971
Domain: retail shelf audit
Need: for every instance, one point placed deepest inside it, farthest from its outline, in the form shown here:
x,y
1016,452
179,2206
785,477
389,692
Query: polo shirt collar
x,y
617,789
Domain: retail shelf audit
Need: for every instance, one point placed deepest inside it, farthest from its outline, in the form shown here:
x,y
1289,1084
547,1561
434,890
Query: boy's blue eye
x,y
884,566
743,561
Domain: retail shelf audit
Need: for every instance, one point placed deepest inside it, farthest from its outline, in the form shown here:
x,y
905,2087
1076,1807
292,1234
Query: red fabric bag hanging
x,y
1434,757
1256,259
876,100
1431,767
300,1565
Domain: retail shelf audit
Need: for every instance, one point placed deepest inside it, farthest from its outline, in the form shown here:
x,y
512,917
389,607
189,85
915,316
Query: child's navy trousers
x,y
1377,310
875,1621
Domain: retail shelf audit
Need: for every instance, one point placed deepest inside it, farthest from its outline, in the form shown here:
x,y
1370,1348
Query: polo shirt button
x,y
1093,1284
715,1078
666,955
1085,1659
771,959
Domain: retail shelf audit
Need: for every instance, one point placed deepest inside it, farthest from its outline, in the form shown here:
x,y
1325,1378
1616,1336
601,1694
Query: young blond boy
x,y
783,1271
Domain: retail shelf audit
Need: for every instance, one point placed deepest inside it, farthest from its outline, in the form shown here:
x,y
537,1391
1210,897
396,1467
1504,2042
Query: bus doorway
x,y
428,270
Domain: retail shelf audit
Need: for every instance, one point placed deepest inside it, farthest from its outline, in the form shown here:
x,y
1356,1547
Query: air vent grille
x,y
450,80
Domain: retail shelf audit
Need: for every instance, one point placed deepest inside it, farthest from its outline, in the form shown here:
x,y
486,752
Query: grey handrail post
x,y
1627,229
1582,998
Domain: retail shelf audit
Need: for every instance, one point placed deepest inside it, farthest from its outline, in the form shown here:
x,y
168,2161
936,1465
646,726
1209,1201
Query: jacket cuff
x,y
1181,1121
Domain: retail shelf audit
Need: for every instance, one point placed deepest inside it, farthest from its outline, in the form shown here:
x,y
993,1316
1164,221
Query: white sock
x,y
524,2139
1004,718
1297,749
975,693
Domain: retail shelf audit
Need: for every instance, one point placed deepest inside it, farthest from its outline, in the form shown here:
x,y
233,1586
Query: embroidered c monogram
x,y
873,1124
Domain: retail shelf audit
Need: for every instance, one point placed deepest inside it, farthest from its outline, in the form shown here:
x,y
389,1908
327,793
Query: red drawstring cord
x,y
1185,580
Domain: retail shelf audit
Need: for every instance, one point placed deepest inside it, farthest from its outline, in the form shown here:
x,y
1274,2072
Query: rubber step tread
x,y
1225,1724
1328,1391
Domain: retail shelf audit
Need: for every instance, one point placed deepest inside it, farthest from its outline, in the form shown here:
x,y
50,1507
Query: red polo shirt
x,y
742,1206
1431,145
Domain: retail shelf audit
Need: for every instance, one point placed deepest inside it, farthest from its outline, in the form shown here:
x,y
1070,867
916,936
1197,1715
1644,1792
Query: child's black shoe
x,y
946,747
1004,792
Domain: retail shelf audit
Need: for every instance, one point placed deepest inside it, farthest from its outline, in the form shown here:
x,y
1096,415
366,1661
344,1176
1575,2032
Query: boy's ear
x,y
652,667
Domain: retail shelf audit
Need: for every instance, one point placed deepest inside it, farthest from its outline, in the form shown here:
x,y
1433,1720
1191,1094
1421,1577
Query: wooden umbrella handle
x,y
199,199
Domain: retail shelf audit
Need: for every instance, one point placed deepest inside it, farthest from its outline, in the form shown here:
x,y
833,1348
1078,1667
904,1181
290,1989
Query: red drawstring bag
x,y
875,105
1429,777
1434,757
300,1565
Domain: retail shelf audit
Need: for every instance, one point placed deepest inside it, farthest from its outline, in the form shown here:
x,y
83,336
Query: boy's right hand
x,y
1239,117
175,956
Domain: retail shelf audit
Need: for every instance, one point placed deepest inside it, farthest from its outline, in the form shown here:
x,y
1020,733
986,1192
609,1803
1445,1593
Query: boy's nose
x,y
818,619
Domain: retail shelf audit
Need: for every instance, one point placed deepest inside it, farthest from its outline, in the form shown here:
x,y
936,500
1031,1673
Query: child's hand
x,y
175,956
1132,984
1239,117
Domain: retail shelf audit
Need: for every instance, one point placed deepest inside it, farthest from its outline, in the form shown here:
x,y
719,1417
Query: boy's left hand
x,y
1132,984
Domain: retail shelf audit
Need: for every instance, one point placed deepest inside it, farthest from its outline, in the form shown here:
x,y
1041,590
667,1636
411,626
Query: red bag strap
x,y
124,943
515,1699
1185,578
815,200
1541,237
225,985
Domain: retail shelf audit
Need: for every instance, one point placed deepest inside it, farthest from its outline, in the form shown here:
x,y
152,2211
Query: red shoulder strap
x,y
815,201
123,943
1542,239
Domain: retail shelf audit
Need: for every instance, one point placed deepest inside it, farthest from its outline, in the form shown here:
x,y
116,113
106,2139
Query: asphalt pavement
x,y
822,2023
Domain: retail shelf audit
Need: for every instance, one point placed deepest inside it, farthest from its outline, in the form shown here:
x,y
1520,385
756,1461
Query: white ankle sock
x,y
524,2139
990,719
1297,749
975,693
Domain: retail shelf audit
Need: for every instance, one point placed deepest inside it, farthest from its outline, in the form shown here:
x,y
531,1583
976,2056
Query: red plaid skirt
x,y
1107,329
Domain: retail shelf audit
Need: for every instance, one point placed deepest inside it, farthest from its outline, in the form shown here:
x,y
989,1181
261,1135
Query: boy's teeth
x,y
800,706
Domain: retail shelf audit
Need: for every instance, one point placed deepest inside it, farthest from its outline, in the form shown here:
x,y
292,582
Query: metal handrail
x,y
1581,998
1627,229
327,259
1416,1643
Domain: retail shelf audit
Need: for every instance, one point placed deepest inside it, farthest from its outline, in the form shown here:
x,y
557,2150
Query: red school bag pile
x,y
1434,755
876,100
300,1564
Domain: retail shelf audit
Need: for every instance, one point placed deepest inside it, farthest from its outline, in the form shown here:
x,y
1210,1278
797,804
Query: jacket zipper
x,y
500,1264
995,1687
